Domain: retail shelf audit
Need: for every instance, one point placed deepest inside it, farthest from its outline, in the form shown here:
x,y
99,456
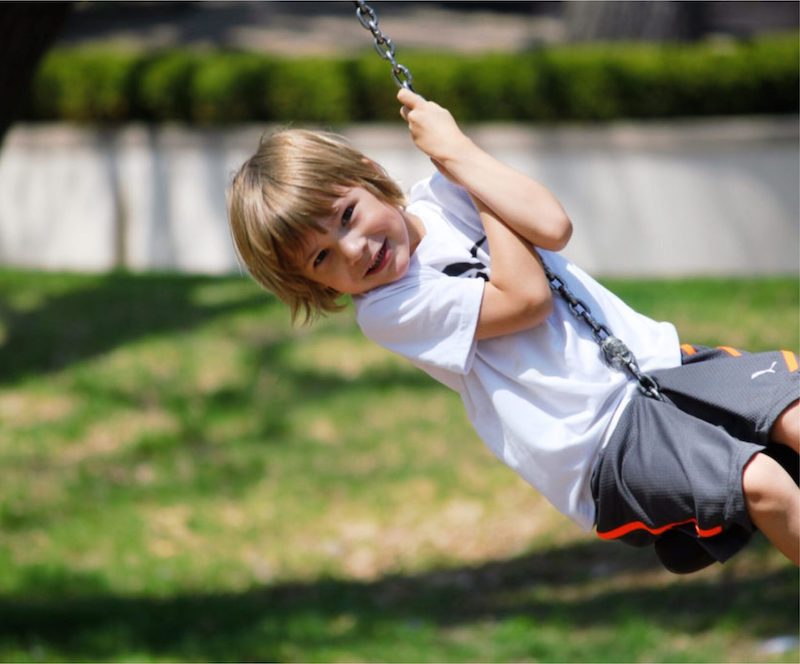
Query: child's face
x,y
366,243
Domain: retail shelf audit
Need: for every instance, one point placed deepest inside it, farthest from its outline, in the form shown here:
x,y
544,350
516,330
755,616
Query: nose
x,y
352,246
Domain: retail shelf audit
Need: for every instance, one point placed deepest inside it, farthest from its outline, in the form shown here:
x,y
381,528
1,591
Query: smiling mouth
x,y
377,264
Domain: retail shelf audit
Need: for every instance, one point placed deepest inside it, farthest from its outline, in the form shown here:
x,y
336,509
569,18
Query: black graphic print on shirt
x,y
473,269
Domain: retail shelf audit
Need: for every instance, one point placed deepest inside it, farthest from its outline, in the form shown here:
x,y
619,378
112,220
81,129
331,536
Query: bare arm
x,y
520,202
517,213
518,295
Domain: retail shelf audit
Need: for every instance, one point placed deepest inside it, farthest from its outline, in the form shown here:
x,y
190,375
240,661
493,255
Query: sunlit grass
x,y
188,478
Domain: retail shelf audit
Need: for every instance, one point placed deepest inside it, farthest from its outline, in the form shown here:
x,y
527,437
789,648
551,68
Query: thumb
x,y
408,98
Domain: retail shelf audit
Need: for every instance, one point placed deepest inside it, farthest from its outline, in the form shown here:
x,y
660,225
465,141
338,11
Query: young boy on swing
x,y
454,280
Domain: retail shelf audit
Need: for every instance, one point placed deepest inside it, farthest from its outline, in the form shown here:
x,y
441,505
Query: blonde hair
x,y
280,193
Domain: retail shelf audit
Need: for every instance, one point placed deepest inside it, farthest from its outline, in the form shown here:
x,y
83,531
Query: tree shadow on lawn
x,y
108,311
295,620
195,457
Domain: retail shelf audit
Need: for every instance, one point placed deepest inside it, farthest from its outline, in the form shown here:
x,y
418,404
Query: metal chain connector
x,y
383,45
616,354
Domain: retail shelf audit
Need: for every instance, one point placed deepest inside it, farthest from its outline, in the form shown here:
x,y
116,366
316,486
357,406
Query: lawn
x,y
187,478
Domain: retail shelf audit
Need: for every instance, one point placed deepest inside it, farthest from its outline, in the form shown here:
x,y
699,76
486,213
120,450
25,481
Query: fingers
x,y
408,98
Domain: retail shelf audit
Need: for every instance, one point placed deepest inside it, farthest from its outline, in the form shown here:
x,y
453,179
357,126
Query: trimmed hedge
x,y
590,82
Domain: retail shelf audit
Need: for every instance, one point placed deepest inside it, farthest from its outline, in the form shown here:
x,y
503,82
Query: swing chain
x,y
383,45
615,352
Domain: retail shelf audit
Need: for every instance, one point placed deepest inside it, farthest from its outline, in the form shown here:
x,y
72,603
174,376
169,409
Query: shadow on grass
x,y
74,619
49,324
101,313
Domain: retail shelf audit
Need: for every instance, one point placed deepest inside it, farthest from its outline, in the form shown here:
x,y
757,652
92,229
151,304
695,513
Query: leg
x,y
786,429
773,502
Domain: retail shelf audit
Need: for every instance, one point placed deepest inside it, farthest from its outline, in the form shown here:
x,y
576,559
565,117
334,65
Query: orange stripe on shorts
x,y
791,359
688,349
730,351
638,525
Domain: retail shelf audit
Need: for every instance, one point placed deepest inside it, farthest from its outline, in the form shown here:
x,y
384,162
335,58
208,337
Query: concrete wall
x,y
700,197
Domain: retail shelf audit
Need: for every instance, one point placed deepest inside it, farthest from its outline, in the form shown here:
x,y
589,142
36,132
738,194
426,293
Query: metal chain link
x,y
615,353
383,45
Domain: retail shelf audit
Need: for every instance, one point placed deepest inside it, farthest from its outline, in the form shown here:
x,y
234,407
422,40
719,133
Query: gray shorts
x,y
672,470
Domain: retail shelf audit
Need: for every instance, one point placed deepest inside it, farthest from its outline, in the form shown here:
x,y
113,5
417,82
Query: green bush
x,y
588,83
777,63
164,85
84,86
308,89
229,87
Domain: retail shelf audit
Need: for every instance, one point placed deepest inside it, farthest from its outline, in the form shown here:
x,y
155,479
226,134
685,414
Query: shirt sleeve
x,y
452,201
427,317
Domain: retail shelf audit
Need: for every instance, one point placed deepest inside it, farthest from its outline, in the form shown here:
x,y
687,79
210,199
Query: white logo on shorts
x,y
765,371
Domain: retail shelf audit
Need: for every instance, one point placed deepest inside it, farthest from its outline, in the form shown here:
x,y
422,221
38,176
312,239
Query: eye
x,y
347,215
320,258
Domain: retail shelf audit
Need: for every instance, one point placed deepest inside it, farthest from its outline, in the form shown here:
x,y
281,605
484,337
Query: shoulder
x,y
439,189
438,196
422,289
425,316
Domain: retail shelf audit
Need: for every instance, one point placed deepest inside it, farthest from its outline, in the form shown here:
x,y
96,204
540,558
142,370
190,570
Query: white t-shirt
x,y
541,399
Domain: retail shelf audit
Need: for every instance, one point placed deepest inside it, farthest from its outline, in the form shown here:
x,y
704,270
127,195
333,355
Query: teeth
x,y
378,259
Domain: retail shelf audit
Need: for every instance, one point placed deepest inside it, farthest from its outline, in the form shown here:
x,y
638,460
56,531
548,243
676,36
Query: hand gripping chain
x,y
615,353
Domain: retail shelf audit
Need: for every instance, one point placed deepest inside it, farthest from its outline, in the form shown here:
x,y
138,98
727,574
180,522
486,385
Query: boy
x,y
456,282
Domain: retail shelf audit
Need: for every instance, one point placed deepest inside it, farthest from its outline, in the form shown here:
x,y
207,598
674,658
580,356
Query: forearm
x,y
518,295
525,205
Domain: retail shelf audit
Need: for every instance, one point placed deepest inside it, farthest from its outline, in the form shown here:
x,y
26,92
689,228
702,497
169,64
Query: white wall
x,y
700,197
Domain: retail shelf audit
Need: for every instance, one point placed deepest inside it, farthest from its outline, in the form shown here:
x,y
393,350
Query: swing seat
x,y
679,553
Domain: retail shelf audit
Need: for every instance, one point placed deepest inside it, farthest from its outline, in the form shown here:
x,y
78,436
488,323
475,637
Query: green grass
x,y
187,478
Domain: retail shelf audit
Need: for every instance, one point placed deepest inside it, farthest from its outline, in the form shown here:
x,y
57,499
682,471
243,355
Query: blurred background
x,y
156,104
188,477
327,27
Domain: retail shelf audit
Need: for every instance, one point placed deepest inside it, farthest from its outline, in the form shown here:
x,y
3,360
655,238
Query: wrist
x,y
459,155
